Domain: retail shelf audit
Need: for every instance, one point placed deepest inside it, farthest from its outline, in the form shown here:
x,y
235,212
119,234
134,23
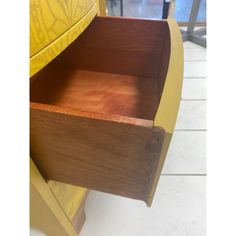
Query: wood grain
x,y
108,156
118,45
104,93
93,108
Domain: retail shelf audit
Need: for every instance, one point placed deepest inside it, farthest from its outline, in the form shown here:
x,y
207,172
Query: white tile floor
x,y
179,205
182,157
177,210
194,69
191,115
194,89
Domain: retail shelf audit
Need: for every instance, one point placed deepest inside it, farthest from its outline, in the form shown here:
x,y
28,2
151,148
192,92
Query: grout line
x,y
193,99
194,77
195,60
190,77
190,130
184,174
192,60
199,48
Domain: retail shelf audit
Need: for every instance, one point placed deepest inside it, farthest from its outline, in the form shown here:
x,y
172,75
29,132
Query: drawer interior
x,y
116,66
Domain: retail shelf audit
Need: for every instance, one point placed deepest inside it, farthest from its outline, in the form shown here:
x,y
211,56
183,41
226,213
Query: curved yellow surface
x,y
50,19
49,52
169,105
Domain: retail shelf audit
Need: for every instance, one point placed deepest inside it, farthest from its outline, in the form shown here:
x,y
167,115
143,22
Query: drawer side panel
x,y
102,155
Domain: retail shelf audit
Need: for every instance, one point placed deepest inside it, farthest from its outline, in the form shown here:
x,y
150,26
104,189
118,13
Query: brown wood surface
x,y
108,156
93,108
118,45
97,92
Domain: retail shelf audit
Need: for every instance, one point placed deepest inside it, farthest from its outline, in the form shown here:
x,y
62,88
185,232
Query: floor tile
x,y
186,154
194,89
189,44
191,116
178,209
195,69
36,232
194,53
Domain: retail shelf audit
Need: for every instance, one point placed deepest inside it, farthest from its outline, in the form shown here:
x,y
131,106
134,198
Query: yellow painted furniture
x,y
57,209
46,212
54,25
109,106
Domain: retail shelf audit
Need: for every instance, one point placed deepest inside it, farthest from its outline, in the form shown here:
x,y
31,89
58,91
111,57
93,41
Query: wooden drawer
x,y
103,112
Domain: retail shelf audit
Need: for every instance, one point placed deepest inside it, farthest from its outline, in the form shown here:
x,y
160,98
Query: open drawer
x,y
103,112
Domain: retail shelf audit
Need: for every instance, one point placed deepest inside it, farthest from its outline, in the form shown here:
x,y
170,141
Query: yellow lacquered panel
x,y
169,105
48,53
51,18
69,197
45,212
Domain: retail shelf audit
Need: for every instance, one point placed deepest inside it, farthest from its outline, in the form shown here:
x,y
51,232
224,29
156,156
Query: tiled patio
x,y
179,205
